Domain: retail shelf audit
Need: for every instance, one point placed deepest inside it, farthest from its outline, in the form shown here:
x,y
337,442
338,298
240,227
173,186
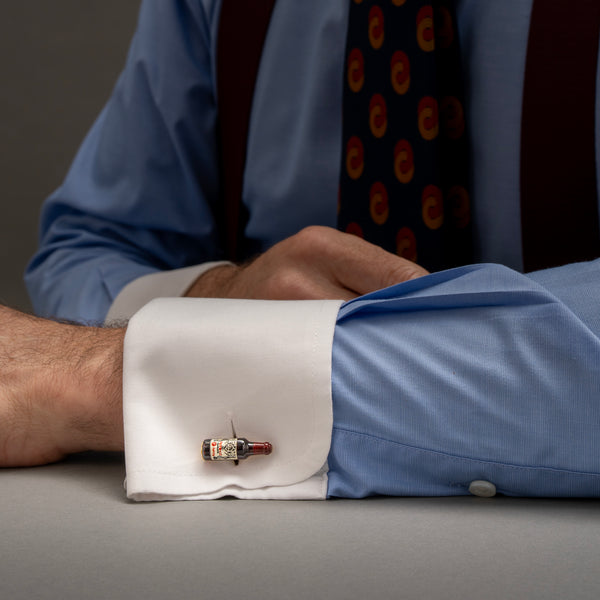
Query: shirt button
x,y
483,489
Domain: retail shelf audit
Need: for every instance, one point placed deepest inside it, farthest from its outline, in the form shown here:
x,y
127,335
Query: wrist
x,y
60,389
213,283
92,389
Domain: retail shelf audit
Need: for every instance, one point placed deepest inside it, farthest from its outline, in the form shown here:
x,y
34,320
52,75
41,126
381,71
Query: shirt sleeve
x,y
137,199
162,284
475,374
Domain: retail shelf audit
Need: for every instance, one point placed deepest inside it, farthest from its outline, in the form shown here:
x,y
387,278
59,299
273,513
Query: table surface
x,y
69,532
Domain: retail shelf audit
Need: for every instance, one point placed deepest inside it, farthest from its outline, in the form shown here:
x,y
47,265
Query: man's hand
x,y
60,384
60,389
316,263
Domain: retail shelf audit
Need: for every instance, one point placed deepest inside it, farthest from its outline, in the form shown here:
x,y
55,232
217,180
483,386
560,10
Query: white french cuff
x,y
161,284
192,366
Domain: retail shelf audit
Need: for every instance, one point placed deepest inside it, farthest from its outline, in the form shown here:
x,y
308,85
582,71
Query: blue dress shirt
x,y
475,373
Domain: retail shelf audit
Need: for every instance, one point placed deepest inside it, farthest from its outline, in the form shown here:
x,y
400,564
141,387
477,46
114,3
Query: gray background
x,y
58,60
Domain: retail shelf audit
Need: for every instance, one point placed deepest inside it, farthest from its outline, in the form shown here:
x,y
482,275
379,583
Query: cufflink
x,y
233,449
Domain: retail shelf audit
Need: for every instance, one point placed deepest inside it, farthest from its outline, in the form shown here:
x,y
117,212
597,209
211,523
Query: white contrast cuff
x,y
161,284
192,365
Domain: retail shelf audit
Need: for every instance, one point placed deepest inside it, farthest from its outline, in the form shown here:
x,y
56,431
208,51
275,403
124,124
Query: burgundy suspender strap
x,y
559,204
242,30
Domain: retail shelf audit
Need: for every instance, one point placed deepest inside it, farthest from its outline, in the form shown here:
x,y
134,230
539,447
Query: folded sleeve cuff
x,y
194,366
140,291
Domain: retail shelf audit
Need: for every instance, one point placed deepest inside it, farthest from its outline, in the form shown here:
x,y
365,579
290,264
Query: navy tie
x,y
404,172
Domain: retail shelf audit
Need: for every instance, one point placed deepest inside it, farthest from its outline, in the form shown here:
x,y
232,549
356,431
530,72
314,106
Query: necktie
x,y
403,181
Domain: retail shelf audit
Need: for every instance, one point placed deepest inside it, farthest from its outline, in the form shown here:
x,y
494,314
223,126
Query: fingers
x,y
295,282
357,265
316,263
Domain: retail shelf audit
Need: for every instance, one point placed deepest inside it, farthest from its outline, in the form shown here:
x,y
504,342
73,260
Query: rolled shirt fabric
x,y
474,374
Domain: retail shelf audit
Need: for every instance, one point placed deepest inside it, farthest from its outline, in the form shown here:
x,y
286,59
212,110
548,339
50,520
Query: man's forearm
x,y
60,389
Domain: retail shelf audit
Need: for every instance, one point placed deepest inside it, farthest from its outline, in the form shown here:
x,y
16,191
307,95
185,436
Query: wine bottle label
x,y
223,449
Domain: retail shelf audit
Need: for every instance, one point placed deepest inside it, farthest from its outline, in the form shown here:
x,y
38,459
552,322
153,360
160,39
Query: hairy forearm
x,y
60,389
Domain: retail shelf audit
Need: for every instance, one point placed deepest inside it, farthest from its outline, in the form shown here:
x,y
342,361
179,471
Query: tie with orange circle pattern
x,y
404,172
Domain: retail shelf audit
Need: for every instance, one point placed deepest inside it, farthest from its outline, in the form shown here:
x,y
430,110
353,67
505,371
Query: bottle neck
x,y
259,448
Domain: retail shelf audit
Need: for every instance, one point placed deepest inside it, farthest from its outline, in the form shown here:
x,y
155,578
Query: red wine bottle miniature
x,y
233,449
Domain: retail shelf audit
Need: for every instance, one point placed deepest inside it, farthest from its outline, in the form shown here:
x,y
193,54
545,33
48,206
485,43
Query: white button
x,y
483,489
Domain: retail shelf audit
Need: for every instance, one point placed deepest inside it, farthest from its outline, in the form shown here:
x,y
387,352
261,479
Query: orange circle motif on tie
x,y
460,206
453,117
404,161
400,72
433,207
398,2
356,70
425,31
406,244
355,157
444,28
376,27
429,124
355,229
378,115
379,204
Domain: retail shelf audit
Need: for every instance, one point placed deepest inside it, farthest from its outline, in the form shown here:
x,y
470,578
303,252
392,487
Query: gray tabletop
x,y
69,532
